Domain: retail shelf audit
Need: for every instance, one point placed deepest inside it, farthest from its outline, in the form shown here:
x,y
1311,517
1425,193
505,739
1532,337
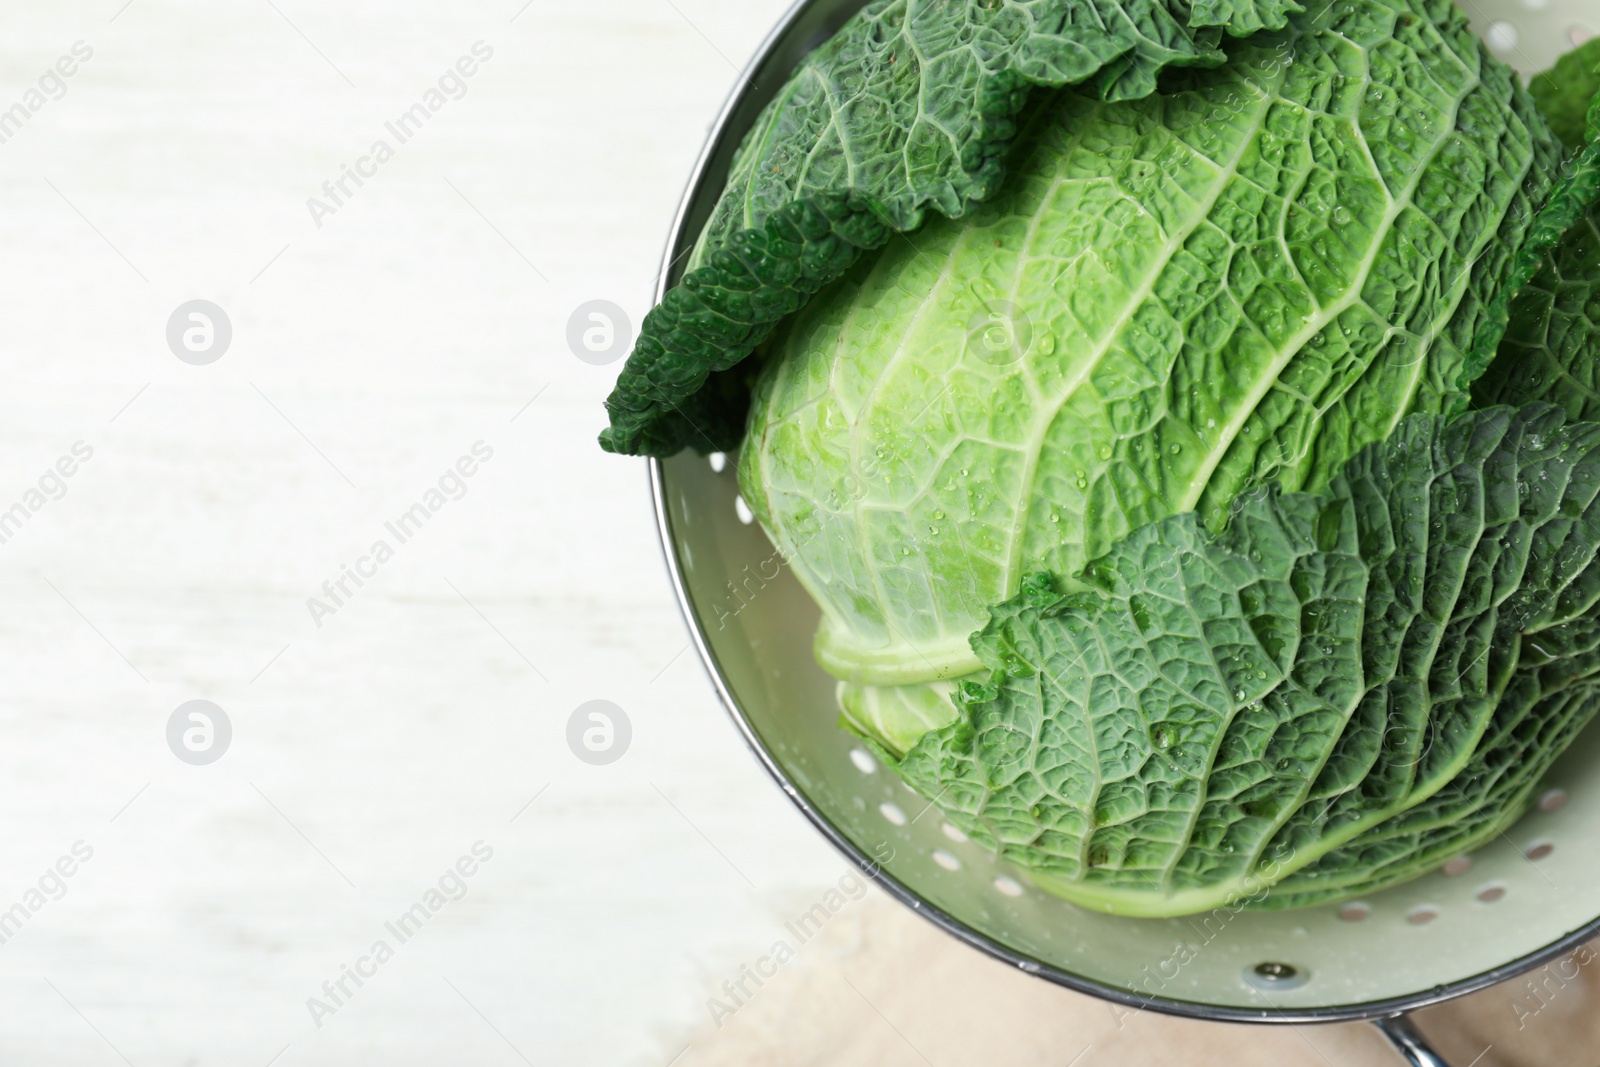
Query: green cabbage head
x,y
1236,281
1184,414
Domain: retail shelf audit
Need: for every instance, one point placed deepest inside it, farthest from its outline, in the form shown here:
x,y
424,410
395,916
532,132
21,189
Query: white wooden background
x,y
369,754
419,319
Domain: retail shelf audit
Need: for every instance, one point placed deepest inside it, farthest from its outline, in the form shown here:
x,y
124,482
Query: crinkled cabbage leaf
x,y
911,106
1316,696
1239,280
1196,340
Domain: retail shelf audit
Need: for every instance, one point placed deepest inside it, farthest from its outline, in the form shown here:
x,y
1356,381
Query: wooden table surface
x,y
402,740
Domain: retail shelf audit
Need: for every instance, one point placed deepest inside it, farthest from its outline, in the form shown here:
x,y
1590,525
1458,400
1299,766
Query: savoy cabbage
x,y
1180,412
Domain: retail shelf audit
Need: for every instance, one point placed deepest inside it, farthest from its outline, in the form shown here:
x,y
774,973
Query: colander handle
x,y
1409,1042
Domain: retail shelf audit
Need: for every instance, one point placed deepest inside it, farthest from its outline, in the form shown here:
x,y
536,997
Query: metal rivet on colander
x,y
1275,976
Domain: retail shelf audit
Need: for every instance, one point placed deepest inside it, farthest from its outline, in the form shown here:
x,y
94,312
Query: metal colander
x,y
1530,897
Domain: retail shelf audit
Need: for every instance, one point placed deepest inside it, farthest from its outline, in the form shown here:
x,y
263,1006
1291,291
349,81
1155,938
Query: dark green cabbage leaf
x,y
911,106
1333,671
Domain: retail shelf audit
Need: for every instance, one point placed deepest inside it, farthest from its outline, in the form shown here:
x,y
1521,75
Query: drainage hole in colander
x,y
1492,892
1355,911
718,461
954,833
1540,849
1552,800
1275,976
741,509
1008,886
892,812
1422,915
1456,867
863,760
1501,37
945,860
